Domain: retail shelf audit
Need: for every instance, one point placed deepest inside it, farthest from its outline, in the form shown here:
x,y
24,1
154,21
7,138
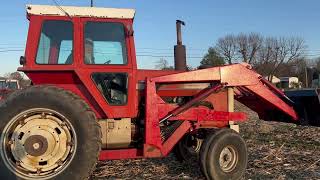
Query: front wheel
x,y
224,155
47,133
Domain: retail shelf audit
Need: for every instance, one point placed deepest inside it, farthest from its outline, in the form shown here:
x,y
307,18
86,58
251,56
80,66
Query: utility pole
x,y
91,3
306,76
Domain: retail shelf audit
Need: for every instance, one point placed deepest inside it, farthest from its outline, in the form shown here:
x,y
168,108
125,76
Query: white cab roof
x,y
80,11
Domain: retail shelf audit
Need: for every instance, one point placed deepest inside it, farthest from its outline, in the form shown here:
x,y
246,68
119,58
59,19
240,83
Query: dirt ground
x,y
276,151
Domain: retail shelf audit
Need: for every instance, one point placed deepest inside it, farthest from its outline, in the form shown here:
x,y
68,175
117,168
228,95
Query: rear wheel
x,y
223,155
47,133
188,147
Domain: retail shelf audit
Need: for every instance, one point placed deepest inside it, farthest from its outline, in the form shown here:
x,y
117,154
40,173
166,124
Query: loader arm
x,y
250,87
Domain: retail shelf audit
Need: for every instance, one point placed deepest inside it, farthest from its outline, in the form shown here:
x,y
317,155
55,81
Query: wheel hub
x,y
38,143
228,159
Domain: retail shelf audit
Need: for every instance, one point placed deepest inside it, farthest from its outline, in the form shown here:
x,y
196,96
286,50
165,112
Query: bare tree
x,y
18,76
226,46
163,64
248,45
288,49
277,52
14,75
267,55
318,64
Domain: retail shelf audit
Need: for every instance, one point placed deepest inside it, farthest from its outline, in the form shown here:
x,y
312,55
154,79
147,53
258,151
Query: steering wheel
x,y
108,62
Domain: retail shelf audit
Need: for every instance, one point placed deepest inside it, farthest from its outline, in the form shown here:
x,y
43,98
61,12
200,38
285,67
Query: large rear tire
x,y
47,133
223,155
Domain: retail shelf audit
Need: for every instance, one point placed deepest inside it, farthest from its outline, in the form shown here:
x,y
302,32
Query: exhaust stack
x,y
180,62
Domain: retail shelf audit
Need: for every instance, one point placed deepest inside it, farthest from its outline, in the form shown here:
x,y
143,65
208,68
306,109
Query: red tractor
x,y
89,102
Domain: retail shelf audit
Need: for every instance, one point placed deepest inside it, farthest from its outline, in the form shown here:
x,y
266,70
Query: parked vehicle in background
x,y
7,87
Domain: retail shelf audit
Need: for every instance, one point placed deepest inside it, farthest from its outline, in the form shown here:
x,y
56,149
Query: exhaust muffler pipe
x,y
180,61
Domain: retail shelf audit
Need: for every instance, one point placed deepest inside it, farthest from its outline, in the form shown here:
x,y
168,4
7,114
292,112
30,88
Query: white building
x,y
274,79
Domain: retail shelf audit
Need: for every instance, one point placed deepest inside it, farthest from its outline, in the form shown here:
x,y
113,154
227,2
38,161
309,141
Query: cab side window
x,y
56,43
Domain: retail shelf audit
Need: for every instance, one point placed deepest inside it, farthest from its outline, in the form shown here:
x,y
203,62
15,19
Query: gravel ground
x,y
276,151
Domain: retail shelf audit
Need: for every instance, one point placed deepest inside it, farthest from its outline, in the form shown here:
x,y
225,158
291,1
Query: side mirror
x,y
22,60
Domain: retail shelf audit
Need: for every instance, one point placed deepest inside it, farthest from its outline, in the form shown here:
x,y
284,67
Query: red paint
x,y
120,154
200,114
169,144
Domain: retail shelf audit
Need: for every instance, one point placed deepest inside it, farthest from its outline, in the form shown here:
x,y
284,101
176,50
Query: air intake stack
x,y
180,62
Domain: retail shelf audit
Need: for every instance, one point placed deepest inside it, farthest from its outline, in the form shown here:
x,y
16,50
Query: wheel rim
x,y
38,144
192,144
228,159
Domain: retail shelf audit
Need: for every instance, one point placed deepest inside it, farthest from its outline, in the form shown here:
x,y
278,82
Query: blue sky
x,y
206,21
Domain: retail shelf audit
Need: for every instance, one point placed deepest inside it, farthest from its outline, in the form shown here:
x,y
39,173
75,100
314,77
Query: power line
x,y
12,50
168,49
17,45
146,55
155,54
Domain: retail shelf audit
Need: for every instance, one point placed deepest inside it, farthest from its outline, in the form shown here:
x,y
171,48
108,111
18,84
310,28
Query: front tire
x,y
223,155
47,133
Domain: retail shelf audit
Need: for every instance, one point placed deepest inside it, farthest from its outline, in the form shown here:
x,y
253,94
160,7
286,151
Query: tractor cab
x,y
67,35
88,46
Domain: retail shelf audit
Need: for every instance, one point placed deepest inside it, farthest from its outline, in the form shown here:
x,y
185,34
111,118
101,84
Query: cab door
x,y
107,69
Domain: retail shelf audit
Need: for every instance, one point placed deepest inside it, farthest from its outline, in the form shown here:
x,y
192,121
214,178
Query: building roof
x,y
80,11
289,78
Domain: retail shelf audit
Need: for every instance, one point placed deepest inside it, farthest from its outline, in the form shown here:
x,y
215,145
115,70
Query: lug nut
x,y
43,115
10,142
18,163
59,162
22,122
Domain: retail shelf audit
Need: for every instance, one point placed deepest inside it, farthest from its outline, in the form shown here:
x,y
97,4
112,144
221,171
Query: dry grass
x,y
276,151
